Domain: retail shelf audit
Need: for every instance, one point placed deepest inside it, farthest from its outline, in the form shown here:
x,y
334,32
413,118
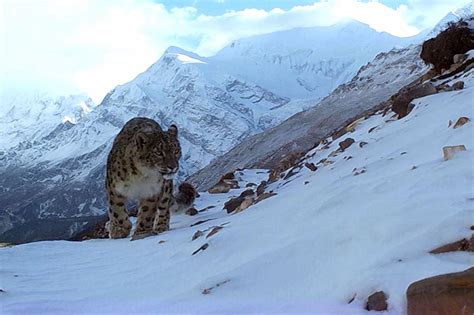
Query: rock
x,y
339,133
250,185
362,144
440,51
429,75
219,189
372,129
351,127
230,175
261,188
198,234
463,245
459,58
311,166
335,152
377,302
458,86
460,122
233,203
191,211
292,172
306,182
265,196
401,101
450,122
346,143
450,151
448,294
214,231
246,193
202,248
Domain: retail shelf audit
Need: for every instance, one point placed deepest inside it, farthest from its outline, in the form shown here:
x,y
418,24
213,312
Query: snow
x,y
326,237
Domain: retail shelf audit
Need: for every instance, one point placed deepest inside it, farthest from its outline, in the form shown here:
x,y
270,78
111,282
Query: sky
x,y
91,46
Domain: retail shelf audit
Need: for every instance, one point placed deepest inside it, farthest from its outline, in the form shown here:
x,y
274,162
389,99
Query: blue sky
x,y
91,46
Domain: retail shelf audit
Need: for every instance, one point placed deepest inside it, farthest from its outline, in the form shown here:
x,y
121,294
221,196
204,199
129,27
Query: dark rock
x,y
250,185
402,100
202,248
448,294
346,143
372,129
247,192
265,196
377,302
233,203
362,144
191,211
458,86
214,231
311,166
440,51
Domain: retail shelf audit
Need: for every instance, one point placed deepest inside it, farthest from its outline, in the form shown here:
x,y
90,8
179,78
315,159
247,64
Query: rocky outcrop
x,y
450,151
461,245
441,50
447,294
402,100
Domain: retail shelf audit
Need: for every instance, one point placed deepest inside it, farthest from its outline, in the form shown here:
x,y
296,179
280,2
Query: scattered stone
x,y
261,188
413,167
306,182
346,143
352,299
250,185
265,196
356,172
161,242
377,302
226,183
403,153
450,122
459,58
207,208
460,122
335,152
2,291
229,175
463,245
214,231
458,86
208,290
201,222
362,144
246,193
451,293
450,151
372,129
347,158
322,161
191,211
202,248
327,162
311,166
292,172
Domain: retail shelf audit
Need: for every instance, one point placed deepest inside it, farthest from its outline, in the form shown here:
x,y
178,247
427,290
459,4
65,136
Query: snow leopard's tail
x,y
183,198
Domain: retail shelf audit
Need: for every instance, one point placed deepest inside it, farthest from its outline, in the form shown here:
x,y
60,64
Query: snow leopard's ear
x,y
173,131
140,139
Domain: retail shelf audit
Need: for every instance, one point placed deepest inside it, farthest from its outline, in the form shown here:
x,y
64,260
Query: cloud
x,y
92,45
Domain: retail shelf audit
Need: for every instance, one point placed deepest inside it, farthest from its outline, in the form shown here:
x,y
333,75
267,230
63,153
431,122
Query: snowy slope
x,y
216,102
326,237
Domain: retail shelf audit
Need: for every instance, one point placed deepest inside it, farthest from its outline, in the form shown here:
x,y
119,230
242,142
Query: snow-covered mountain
x,y
248,87
323,241
31,116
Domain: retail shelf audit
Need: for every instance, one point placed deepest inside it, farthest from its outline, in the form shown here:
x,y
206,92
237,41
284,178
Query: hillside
x,y
363,221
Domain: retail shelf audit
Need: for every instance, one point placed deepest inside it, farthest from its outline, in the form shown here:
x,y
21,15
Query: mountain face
x,y
373,84
217,102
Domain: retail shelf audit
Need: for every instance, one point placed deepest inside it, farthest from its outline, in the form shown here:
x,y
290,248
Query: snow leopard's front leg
x,y
162,217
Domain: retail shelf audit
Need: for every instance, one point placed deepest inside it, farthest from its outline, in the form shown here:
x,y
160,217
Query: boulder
x,y
261,188
448,294
460,122
346,143
402,100
191,211
440,51
377,302
450,151
311,166
458,86
233,203
265,196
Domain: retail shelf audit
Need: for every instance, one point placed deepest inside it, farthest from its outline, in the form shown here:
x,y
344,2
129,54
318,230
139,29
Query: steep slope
x,y
216,102
364,221
373,84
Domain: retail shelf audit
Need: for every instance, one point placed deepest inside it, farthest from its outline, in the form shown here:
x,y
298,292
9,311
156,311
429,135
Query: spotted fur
x,y
141,166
